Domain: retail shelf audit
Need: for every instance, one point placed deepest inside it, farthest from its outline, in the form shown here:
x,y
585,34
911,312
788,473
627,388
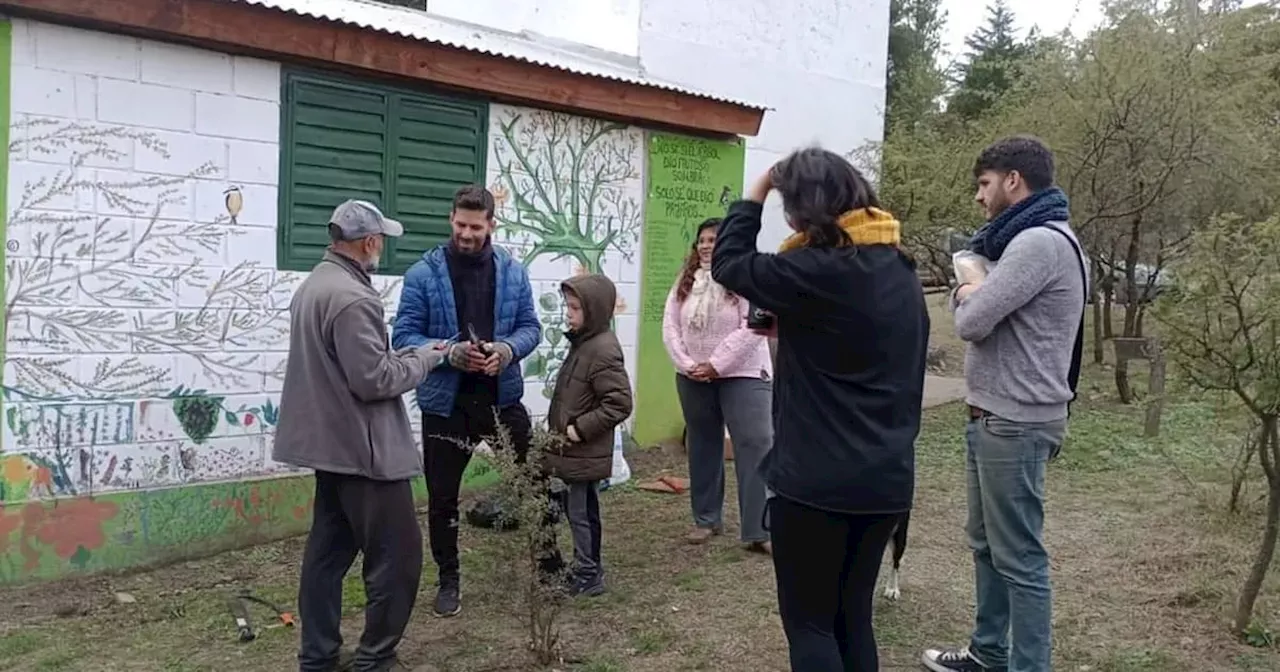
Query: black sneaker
x,y
588,586
448,601
955,660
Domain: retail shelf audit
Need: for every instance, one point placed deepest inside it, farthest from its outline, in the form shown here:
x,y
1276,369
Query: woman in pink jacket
x,y
723,376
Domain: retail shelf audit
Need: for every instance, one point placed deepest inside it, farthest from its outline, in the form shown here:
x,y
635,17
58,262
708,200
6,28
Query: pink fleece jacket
x,y
734,350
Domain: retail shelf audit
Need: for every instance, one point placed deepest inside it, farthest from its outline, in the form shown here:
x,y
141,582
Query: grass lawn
x,y
1146,568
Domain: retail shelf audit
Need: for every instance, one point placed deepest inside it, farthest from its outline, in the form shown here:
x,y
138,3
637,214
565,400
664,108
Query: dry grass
x,y
1146,568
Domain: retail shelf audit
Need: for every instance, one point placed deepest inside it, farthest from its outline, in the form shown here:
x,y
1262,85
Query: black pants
x,y
471,421
359,515
826,566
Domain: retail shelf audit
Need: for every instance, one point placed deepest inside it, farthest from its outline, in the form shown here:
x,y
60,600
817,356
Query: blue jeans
x,y
1006,465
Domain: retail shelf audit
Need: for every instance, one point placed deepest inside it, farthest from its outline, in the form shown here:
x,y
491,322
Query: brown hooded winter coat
x,y
593,391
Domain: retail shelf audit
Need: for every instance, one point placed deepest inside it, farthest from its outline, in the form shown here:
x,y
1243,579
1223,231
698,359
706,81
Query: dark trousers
x,y
826,566
744,404
580,502
470,422
359,515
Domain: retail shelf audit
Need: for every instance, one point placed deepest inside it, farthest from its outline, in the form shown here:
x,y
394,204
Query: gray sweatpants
x,y
746,406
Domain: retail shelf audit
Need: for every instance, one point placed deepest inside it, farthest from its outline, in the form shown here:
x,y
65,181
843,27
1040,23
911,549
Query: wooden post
x,y
1155,383
1131,349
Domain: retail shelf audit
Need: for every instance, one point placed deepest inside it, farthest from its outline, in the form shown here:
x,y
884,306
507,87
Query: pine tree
x,y
991,65
914,81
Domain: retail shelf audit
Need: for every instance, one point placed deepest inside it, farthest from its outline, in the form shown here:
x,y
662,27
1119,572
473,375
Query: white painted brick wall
x,y
819,66
186,68
122,146
233,116
63,49
150,106
143,140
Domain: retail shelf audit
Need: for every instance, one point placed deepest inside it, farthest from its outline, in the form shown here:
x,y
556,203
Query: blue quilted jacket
x,y
428,314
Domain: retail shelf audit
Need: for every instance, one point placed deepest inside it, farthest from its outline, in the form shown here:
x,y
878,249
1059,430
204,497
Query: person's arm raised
x,y
770,281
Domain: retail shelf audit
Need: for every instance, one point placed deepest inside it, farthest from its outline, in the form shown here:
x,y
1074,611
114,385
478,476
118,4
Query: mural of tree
x,y
566,179
544,364
567,187
126,270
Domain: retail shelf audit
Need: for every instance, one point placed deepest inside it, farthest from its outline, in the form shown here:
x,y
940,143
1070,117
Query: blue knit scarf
x,y
1038,209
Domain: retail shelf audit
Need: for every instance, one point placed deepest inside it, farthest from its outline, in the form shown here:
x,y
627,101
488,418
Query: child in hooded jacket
x,y
592,396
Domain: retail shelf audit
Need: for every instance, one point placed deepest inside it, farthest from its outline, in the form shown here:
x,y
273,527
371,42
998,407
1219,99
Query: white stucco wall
x,y
819,64
611,25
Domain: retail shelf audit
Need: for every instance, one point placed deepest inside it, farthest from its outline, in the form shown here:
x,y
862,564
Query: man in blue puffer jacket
x,y
466,285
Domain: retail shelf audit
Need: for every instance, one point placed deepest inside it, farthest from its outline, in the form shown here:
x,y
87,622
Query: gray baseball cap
x,y
361,219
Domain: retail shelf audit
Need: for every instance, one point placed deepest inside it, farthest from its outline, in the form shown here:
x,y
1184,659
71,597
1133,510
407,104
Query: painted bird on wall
x,y
234,201
726,196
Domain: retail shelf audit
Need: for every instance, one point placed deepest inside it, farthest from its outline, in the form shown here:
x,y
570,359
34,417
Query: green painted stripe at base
x,y
136,529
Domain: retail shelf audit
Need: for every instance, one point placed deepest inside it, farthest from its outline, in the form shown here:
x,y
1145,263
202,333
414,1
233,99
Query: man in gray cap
x,y
342,414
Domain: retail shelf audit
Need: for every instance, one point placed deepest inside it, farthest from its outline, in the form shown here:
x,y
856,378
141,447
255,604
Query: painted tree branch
x,y
122,272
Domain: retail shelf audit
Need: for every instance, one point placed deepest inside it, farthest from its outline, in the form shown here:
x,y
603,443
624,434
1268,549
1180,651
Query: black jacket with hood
x,y
593,391
852,333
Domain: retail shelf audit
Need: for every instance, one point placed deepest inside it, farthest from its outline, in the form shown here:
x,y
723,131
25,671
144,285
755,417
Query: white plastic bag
x,y
621,470
970,267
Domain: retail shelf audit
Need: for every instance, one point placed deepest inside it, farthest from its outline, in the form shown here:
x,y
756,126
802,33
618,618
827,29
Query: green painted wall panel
x,y
689,180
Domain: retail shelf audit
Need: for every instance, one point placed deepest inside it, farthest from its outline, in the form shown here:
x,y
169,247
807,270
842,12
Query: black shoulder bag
x,y
1077,350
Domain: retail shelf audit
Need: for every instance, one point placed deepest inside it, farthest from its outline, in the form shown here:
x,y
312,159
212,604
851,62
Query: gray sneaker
x,y
448,599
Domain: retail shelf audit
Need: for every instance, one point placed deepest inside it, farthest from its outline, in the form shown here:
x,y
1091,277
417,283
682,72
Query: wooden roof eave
x,y
252,30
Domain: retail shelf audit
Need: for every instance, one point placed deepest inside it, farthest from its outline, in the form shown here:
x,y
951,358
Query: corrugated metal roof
x,y
418,25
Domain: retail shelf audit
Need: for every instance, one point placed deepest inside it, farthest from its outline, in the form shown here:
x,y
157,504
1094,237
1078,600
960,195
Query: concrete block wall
x,y
148,332
138,301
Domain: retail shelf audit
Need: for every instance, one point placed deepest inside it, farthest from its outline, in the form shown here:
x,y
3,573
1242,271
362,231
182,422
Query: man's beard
x,y
997,208
470,247
371,265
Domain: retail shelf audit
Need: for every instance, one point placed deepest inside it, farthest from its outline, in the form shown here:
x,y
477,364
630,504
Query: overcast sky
x,y
964,16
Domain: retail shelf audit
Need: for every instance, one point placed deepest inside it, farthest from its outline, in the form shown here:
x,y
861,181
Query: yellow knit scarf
x,y
866,226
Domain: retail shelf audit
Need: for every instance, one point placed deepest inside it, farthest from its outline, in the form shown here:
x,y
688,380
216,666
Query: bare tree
x,y
1222,328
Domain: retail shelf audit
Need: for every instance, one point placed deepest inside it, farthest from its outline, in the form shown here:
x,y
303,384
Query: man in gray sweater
x,y
342,413
1023,324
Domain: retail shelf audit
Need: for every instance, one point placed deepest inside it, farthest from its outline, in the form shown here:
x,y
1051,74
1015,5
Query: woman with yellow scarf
x,y
852,330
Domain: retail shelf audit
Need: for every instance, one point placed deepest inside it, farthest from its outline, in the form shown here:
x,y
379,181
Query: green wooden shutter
x,y
440,144
334,148
405,152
